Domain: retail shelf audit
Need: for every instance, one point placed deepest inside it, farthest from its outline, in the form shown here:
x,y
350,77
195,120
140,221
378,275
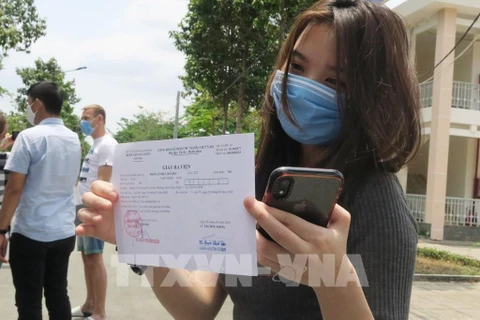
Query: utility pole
x,y
79,68
177,107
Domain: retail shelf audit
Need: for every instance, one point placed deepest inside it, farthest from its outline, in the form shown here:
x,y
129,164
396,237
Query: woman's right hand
x,y
98,220
6,142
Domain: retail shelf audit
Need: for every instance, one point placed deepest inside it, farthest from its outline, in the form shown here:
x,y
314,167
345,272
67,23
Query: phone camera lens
x,y
282,188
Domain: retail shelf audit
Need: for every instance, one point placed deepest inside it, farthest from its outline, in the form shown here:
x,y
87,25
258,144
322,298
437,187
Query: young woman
x,y
343,95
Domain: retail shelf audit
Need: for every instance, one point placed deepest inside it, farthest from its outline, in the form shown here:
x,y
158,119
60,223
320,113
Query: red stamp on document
x,y
132,222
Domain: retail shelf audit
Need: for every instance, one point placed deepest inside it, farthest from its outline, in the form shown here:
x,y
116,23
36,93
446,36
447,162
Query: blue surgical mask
x,y
86,127
312,105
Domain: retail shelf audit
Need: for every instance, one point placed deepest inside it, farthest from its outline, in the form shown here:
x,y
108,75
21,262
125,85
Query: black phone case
x,y
312,195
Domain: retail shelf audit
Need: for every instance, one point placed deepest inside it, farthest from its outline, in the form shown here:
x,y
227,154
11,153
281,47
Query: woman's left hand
x,y
304,253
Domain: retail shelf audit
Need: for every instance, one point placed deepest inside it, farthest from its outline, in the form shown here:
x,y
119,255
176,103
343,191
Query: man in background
x,y
43,168
5,142
96,166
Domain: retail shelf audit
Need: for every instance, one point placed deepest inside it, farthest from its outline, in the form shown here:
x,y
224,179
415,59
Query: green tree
x,y
203,119
289,10
48,71
144,126
230,48
20,27
16,121
253,123
222,39
206,36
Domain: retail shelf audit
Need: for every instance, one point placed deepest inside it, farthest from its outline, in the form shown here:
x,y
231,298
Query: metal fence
x,y
465,95
426,94
458,211
416,203
461,211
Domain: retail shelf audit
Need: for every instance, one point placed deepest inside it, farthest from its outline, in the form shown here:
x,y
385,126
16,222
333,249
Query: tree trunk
x,y
283,25
241,99
225,113
241,92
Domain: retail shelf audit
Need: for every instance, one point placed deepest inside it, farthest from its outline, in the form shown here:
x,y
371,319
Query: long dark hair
x,y
381,128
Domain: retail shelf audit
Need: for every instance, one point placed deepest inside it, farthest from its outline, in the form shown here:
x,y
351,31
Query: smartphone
x,y
15,135
309,193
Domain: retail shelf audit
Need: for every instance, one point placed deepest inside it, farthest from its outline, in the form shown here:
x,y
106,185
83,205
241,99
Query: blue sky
x,y
125,45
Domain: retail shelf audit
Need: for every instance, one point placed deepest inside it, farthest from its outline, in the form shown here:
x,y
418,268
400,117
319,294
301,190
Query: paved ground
x,y
130,298
432,301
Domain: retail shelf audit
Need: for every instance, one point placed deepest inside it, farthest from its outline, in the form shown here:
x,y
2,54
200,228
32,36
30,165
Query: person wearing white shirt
x,y
43,168
97,165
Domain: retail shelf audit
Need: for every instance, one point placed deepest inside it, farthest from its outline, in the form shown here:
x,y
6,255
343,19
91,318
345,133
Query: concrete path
x,y
455,301
129,296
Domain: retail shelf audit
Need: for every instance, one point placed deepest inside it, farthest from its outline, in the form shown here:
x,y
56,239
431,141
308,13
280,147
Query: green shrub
x,y
447,256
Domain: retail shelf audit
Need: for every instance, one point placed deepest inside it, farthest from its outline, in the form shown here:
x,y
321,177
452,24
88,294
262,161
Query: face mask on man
x,y
86,127
312,105
30,114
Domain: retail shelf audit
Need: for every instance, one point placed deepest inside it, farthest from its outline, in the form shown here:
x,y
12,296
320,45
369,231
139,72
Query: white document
x,y
181,204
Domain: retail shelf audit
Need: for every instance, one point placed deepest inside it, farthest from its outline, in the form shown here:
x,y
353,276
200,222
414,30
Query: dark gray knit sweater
x,y
382,231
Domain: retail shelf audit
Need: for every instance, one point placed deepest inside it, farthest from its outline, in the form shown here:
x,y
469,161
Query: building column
x,y
470,174
476,79
403,178
413,46
476,62
440,126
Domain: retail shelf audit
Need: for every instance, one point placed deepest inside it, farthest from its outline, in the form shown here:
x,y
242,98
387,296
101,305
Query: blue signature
x,y
210,236
209,244
212,243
